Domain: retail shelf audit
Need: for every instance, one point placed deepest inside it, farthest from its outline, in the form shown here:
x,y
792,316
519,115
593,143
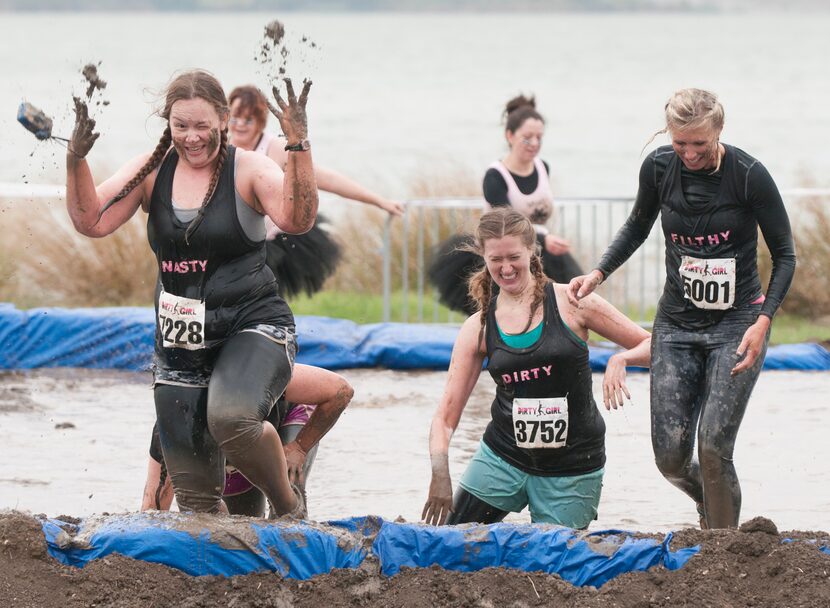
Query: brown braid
x,y
149,166
214,180
480,288
541,280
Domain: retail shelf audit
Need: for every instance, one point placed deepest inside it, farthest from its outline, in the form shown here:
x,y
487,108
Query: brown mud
x,y
93,79
749,567
274,50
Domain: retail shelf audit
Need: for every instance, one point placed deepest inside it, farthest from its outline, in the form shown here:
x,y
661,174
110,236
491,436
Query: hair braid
x,y
540,280
480,289
214,180
149,166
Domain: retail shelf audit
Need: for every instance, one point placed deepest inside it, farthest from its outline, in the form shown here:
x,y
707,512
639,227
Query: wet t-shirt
x,y
710,223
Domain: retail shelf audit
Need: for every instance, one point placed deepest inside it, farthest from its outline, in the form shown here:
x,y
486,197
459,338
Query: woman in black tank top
x,y
224,340
545,425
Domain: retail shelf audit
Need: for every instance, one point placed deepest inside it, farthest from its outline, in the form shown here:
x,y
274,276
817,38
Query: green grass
x,y
368,308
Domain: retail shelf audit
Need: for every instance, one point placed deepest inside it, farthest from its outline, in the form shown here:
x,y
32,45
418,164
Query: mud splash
x,y
93,79
274,52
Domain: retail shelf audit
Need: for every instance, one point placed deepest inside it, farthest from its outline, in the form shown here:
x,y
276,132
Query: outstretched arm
x,y
83,200
293,207
465,368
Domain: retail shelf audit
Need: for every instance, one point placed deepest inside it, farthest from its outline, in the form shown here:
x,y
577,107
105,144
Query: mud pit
x,y
75,441
750,567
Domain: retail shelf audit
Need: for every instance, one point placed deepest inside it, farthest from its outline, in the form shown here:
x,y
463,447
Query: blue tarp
x,y
122,338
204,545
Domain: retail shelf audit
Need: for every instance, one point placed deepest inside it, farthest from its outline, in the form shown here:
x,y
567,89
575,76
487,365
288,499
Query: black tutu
x,y
302,262
451,268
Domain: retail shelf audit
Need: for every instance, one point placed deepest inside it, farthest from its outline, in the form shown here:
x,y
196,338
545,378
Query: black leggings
x,y
694,395
196,425
467,508
252,502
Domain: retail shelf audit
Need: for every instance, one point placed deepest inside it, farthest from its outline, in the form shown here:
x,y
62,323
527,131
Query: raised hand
x,y
292,115
83,135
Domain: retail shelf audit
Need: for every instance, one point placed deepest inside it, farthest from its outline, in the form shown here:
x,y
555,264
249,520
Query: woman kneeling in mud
x,y
545,445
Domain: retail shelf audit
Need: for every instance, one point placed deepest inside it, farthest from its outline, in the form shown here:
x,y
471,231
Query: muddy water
x,y
75,442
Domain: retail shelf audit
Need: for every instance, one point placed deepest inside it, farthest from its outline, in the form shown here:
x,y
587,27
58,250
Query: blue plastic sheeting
x,y
240,546
122,338
581,559
204,545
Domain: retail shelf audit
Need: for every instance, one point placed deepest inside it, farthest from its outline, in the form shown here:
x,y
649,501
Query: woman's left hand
x,y
556,245
752,344
613,383
295,459
393,208
292,115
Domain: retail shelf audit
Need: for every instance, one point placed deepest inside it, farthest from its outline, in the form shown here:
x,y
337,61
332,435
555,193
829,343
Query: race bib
x,y
709,284
181,322
540,423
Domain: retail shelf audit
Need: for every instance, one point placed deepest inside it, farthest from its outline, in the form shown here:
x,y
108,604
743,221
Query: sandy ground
x,y
75,442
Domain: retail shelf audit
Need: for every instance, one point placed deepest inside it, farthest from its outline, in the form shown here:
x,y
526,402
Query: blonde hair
x,y
690,109
495,224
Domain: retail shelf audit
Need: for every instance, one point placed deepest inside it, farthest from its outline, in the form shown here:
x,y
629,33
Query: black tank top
x,y
220,266
556,366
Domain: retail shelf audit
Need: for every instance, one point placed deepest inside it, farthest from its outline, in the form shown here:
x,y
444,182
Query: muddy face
x,y
195,128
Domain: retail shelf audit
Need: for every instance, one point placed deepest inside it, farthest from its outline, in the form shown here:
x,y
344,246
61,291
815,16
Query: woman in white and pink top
x,y
519,180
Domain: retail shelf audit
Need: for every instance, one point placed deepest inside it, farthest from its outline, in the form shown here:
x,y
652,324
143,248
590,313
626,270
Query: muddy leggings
x,y
196,425
252,502
693,394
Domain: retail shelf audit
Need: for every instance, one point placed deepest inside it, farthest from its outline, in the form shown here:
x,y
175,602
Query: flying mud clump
x,y
274,50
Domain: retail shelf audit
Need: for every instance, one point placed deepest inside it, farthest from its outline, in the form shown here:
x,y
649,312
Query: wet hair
x,y
518,110
496,224
194,84
691,109
252,101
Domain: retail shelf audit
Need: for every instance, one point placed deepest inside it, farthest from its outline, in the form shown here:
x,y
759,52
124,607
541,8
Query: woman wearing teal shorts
x,y
544,447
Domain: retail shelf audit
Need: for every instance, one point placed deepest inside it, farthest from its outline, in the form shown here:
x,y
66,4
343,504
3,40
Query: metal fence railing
x,y
588,223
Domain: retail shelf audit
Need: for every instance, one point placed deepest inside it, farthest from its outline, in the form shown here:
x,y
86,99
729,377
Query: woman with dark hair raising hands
x,y
225,340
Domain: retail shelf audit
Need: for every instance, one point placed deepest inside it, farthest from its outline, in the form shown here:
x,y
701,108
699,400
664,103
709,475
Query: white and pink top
x,y
536,206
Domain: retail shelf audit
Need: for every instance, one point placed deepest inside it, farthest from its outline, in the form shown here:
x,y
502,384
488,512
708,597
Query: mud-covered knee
x,y
713,456
234,432
199,496
670,463
344,394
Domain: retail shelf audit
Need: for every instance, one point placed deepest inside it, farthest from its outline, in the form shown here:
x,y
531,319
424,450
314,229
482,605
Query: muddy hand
x,y
83,135
752,344
295,459
291,114
439,502
583,285
613,383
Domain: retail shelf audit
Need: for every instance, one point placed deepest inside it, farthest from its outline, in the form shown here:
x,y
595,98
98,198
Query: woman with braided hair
x,y
225,343
545,445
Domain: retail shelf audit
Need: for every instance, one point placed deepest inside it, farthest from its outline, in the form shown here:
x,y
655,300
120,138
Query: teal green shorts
x,y
566,501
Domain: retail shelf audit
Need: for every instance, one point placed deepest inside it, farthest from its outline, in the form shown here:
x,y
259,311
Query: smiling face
x,y
526,141
508,262
196,128
244,128
697,147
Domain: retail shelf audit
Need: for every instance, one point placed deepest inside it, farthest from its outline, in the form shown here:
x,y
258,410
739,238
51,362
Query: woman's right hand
x,y
556,245
583,285
83,135
439,503
292,115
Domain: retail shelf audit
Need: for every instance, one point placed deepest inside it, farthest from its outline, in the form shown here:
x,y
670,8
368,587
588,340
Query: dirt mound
x,y
751,567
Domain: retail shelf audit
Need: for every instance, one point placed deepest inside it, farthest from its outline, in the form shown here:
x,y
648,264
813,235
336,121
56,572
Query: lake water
x,y
375,460
399,96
